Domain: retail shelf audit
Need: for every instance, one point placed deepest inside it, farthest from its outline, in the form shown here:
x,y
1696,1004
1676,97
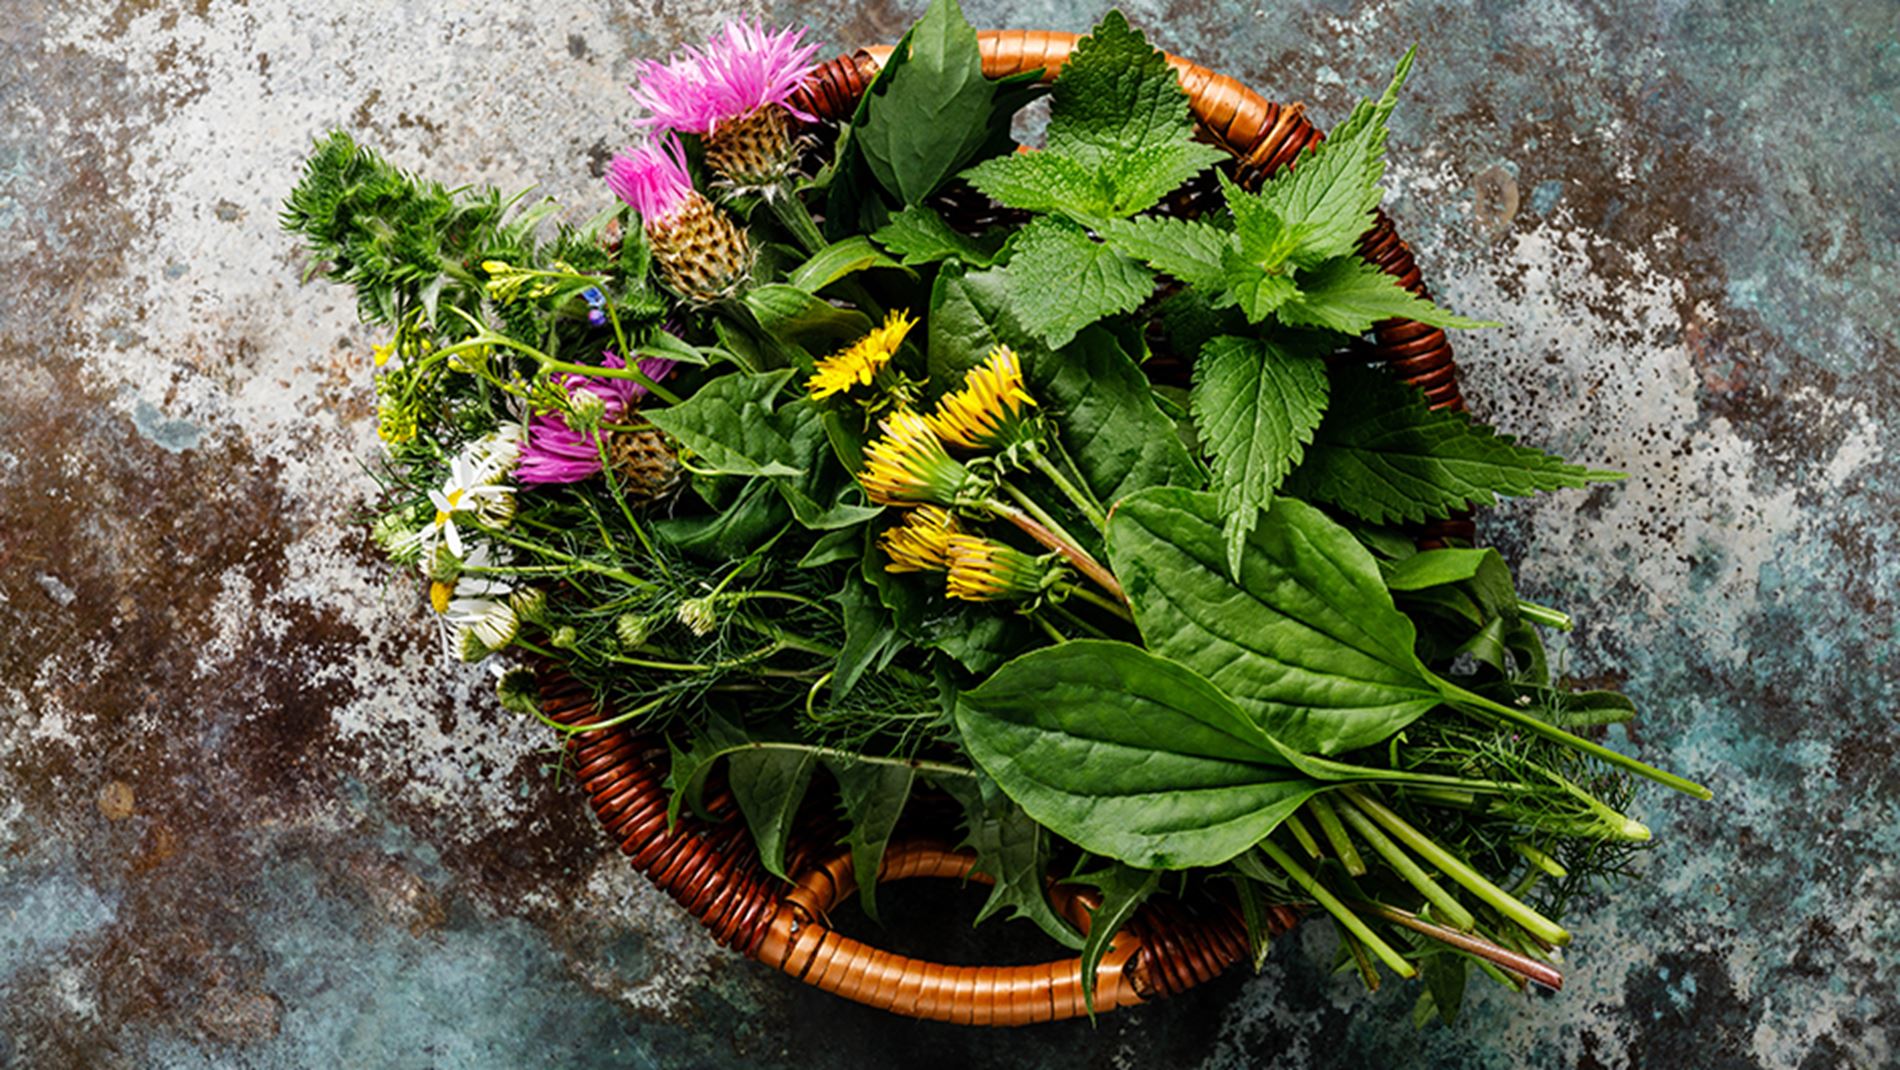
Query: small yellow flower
x,y
982,570
381,353
908,465
992,409
860,363
921,542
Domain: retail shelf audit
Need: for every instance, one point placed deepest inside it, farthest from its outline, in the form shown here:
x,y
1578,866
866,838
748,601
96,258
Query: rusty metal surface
x,y
247,817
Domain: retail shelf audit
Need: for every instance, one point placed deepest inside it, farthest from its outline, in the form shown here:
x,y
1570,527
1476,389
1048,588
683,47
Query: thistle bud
x,y
701,253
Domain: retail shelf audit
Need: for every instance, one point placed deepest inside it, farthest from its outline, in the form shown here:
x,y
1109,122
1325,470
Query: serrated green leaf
x,y
1040,182
1256,291
1129,755
1306,640
1330,193
1119,109
1255,403
1124,888
1350,295
918,235
1187,249
872,796
867,631
1012,850
1390,458
1060,280
769,785
730,422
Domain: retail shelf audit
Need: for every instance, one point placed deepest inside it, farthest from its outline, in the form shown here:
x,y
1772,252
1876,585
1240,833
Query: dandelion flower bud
x,y
865,362
922,542
983,570
992,411
907,465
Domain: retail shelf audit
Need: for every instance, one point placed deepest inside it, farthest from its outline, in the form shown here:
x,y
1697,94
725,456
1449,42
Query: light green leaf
x,y
872,796
837,260
1039,182
731,424
918,235
1389,457
1129,755
1189,250
1350,295
1060,280
1012,850
1306,641
1256,403
789,312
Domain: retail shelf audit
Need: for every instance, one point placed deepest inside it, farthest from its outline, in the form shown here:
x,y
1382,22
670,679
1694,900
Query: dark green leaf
x,y
1012,850
872,796
1350,295
1129,755
769,785
837,260
1444,975
1124,889
1307,641
730,423
1256,403
934,112
918,235
1389,457
1060,280
733,531
867,631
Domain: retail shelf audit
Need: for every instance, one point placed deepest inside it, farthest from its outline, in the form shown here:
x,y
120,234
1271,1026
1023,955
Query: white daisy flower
x,y
476,609
470,489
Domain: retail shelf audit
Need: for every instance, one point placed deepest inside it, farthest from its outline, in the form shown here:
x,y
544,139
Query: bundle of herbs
x,y
798,469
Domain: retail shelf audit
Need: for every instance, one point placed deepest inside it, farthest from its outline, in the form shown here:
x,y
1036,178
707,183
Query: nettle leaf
x,y
1256,403
1188,249
1129,755
1101,403
1389,457
936,111
919,235
730,423
1331,191
1012,849
1124,889
1120,135
1061,280
872,796
1350,295
1306,640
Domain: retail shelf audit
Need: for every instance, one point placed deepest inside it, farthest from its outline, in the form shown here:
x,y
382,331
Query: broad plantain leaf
x,y
1129,755
769,785
1390,457
1306,640
837,260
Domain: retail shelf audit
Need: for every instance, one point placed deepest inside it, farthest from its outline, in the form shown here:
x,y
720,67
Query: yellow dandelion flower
x,y
992,409
983,570
860,363
907,465
921,542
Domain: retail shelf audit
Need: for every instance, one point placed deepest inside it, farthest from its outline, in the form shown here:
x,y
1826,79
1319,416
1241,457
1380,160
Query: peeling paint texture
x,y
249,819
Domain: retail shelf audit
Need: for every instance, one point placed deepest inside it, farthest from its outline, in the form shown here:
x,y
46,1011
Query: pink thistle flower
x,y
652,177
741,69
555,452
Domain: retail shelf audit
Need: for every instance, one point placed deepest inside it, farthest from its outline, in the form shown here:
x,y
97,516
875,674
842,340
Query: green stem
x,y
1328,820
921,765
1541,860
1441,900
1451,866
1470,700
1055,540
1083,502
1096,600
787,639
796,218
1048,629
583,564
1303,835
1337,909
1544,615
611,722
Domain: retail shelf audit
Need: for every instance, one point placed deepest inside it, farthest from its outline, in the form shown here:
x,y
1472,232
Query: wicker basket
x,y
709,866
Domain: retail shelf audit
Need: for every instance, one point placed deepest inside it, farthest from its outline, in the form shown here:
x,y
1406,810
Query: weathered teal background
x,y
248,819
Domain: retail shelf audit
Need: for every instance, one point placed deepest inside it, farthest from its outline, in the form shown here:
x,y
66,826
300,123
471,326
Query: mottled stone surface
x,y
248,819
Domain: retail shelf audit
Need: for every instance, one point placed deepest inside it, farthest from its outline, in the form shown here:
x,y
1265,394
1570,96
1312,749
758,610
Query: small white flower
x,y
476,609
470,488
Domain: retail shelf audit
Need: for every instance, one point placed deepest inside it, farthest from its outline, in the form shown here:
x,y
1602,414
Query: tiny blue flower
x,y
597,317
593,296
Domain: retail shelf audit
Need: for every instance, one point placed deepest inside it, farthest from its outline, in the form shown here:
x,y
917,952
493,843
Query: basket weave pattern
x,y
709,865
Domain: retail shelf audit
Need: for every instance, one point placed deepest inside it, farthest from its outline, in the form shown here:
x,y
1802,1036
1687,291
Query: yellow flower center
x,y
439,595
